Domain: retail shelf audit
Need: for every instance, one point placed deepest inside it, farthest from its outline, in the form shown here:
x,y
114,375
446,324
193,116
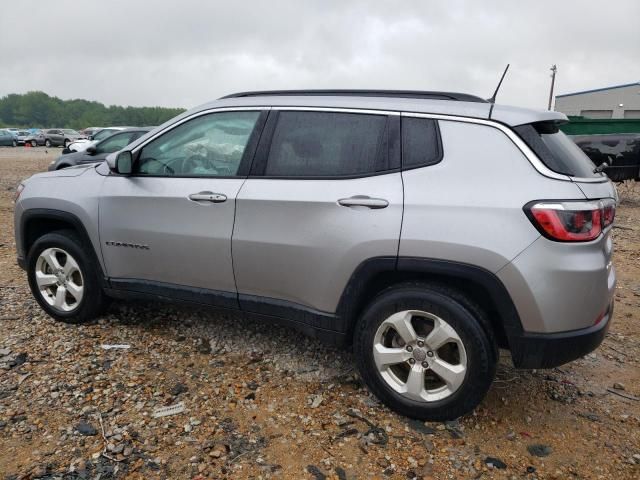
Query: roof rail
x,y
460,97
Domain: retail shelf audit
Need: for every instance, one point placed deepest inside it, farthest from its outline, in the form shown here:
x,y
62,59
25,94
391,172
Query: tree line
x,y
39,110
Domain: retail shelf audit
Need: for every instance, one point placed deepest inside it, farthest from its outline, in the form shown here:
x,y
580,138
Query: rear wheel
x,y
425,351
64,277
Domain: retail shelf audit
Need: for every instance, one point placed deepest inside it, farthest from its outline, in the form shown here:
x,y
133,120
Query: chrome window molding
x,y
196,115
522,146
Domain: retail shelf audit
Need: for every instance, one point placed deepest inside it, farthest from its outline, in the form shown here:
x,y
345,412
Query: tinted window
x,y
102,134
210,145
420,142
328,144
114,143
556,150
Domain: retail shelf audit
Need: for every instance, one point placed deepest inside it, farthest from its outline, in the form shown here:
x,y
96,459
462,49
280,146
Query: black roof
x,y
460,97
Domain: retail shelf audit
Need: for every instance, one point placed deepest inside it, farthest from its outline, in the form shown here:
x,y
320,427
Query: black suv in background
x,y
620,151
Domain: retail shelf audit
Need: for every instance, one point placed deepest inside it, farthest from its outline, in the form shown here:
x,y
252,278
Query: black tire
x,y
93,301
469,323
34,144
47,143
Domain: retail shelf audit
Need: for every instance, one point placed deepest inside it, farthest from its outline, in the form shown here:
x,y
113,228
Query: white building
x,y
619,101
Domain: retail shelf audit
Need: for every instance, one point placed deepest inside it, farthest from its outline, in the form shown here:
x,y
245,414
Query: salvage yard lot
x,y
265,402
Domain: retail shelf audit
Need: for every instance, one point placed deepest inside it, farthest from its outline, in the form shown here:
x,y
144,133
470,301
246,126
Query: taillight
x,y
571,221
19,190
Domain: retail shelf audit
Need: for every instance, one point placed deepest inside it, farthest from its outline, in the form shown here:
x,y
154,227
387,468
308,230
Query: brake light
x,y
572,221
609,213
19,190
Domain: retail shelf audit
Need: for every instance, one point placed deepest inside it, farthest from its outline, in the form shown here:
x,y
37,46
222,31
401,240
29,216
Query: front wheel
x,y
14,143
34,144
426,351
47,143
64,277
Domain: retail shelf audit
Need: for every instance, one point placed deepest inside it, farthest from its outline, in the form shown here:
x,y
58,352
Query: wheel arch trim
x,y
354,295
32,214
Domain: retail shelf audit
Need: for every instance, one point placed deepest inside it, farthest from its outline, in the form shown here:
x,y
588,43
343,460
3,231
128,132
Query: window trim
x,y
440,147
506,129
247,156
519,143
393,148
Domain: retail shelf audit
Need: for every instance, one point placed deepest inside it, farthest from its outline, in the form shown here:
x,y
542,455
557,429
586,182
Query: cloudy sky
x,y
186,52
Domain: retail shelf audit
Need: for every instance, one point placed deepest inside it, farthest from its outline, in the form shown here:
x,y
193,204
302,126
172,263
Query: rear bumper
x,y
548,350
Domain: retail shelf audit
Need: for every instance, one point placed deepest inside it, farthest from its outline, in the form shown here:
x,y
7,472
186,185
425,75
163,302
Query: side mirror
x,y
92,150
121,162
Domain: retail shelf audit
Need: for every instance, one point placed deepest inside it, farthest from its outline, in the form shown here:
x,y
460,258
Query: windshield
x,y
557,151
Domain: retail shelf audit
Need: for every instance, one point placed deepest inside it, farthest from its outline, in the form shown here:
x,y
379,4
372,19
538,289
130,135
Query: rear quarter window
x,y
557,151
421,144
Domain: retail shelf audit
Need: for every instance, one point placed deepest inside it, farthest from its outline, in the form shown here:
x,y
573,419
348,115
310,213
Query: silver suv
x,y
423,229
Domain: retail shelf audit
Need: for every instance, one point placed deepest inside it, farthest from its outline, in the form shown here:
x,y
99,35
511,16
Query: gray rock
x,y
618,386
539,450
316,472
493,462
420,427
86,429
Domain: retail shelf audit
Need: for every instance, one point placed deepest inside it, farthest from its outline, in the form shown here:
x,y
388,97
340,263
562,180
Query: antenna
x,y
493,97
492,100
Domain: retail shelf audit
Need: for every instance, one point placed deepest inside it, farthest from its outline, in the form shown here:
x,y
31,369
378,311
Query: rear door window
x,y
328,144
557,151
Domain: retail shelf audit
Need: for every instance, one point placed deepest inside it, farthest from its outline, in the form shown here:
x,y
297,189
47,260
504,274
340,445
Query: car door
x,y
324,196
5,138
166,229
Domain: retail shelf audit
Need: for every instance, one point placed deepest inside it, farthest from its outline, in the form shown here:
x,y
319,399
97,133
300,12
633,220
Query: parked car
x,y
99,151
87,132
423,229
21,136
620,151
54,137
82,144
7,139
34,138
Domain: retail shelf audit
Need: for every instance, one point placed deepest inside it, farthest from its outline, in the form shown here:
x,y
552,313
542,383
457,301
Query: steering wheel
x,y
166,168
192,162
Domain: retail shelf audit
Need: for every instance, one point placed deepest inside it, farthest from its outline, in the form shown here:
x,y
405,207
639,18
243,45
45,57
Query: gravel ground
x,y
264,402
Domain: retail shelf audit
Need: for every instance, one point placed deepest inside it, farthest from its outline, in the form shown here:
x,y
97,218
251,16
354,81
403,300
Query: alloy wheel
x,y
420,356
59,279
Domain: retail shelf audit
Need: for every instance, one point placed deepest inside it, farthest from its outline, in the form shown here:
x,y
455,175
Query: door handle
x,y
208,197
363,201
